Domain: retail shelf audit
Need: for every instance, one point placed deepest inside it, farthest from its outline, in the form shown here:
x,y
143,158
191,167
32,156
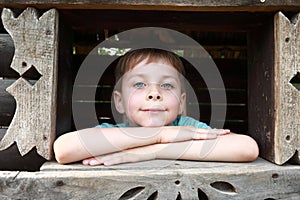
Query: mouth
x,y
153,110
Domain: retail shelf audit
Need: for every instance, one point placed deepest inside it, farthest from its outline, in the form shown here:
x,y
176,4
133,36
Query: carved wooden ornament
x,y
36,47
287,97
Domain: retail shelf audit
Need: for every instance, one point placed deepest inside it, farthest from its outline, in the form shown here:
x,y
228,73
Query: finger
x,y
224,132
209,133
128,156
112,159
91,161
204,136
95,162
212,131
86,161
219,131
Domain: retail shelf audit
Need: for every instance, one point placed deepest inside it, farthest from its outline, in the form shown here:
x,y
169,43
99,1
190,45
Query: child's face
x,y
151,95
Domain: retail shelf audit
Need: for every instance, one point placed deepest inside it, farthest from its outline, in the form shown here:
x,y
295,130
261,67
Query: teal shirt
x,y
180,121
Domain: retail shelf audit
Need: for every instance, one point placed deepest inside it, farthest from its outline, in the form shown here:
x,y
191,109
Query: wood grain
x,y
7,102
6,55
163,179
261,88
274,103
287,97
35,40
191,5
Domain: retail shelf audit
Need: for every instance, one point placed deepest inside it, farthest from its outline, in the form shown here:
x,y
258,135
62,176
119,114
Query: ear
x,y
182,109
118,102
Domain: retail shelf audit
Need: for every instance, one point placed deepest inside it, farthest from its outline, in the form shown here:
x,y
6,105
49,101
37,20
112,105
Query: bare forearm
x,y
93,142
90,142
231,148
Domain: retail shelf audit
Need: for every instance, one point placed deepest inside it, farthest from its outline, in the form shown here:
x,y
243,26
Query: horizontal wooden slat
x,y
7,103
93,68
5,118
238,82
240,127
191,5
2,30
235,126
6,55
233,72
86,118
82,20
233,112
104,93
2,132
164,178
235,96
230,70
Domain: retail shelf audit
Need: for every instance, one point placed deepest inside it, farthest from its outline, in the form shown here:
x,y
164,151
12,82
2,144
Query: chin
x,y
152,124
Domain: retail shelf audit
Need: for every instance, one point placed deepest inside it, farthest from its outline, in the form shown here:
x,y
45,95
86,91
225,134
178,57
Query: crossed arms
x,y
109,146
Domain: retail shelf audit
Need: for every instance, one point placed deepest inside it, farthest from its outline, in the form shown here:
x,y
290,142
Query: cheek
x,y
134,99
172,101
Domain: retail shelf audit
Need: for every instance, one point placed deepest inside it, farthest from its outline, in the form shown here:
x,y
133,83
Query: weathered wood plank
x,y
36,47
9,175
2,29
83,20
191,5
7,103
2,132
273,101
104,94
64,79
287,97
6,55
161,178
261,88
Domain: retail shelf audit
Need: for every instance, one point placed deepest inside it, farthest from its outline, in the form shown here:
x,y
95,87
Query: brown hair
x,y
134,57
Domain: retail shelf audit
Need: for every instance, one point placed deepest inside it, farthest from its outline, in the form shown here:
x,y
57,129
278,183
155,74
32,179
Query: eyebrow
x,y
163,77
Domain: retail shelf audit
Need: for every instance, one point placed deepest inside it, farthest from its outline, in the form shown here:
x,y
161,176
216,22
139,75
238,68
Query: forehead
x,y
158,68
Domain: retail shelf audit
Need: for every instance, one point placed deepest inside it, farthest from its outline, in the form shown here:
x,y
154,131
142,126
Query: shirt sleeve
x,y
188,121
107,125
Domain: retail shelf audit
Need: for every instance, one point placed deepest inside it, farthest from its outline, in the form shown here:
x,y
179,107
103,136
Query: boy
x,y
150,93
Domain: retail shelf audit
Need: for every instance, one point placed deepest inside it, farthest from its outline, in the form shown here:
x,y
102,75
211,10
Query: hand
x,y
170,134
132,155
184,133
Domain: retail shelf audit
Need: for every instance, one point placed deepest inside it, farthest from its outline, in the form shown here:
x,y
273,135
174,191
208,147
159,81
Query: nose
x,y
154,95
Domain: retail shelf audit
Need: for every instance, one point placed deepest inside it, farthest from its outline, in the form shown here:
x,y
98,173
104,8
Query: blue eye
x,y
166,86
139,85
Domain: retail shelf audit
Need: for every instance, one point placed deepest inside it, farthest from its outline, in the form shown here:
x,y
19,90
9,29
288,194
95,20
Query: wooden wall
x,y
29,79
224,35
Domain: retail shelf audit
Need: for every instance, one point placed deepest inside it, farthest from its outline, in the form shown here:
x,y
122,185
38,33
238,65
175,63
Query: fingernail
x,y
85,162
93,162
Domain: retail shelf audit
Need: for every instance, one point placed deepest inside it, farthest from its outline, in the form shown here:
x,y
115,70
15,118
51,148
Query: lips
x,y
153,110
